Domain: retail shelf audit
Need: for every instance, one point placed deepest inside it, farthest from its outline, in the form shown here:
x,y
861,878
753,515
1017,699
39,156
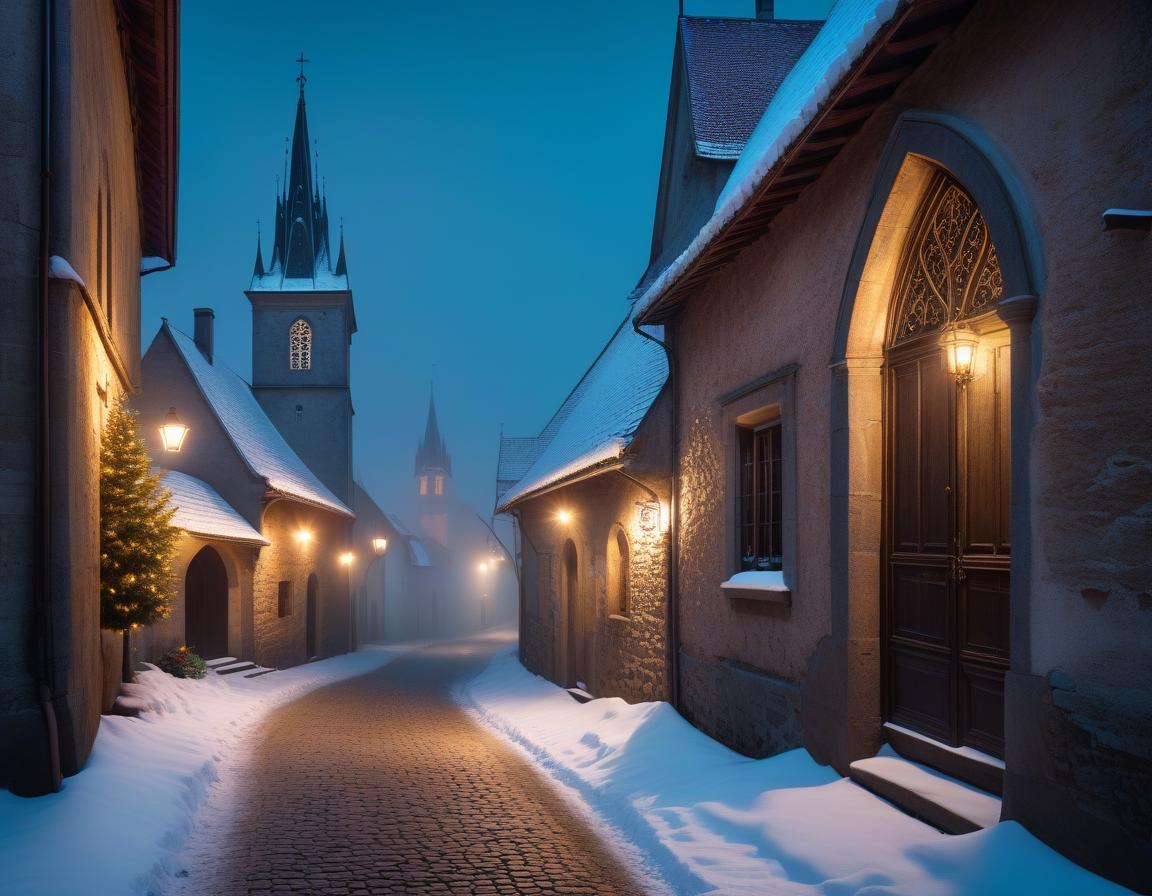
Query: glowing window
x,y
300,346
439,485
423,485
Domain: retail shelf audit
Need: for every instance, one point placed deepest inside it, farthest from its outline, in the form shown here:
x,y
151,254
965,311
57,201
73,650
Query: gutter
x,y
672,604
44,645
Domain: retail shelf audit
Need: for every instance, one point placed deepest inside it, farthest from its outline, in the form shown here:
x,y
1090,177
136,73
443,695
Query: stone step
x,y
977,768
259,671
579,695
943,802
219,661
233,668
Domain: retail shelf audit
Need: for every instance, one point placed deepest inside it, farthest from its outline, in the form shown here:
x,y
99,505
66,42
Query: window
x,y
299,413
618,573
439,485
759,510
284,599
423,485
300,346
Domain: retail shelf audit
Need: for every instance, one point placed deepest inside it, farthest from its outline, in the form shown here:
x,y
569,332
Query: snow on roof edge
x,y
849,29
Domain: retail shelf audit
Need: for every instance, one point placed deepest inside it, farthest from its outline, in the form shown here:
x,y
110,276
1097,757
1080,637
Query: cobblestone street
x,y
382,785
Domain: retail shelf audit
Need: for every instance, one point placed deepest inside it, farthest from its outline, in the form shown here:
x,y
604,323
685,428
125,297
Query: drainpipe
x,y
672,609
45,649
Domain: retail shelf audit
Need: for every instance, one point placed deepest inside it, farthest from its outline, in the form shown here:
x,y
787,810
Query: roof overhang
x,y
571,479
150,39
915,29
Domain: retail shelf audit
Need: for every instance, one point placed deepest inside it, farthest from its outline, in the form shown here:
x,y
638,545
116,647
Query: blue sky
x,y
495,167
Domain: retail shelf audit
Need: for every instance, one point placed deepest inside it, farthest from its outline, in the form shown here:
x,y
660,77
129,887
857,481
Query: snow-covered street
x,y
715,822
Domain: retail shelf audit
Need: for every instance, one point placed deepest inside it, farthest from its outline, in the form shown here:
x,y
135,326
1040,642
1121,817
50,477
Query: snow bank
x,y
715,822
116,827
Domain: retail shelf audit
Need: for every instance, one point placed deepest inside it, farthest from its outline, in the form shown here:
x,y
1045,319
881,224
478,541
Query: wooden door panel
x,y
937,409
920,604
905,485
986,456
982,708
921,688
984,615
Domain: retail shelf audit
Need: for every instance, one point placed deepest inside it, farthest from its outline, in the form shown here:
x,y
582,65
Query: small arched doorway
x,y
945,586
577,648
311,617
206,604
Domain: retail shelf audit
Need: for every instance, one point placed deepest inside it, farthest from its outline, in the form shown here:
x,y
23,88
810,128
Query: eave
x,y
149,33
897,50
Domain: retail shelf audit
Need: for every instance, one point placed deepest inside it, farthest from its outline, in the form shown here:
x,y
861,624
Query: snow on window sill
x,y
767,585
619,617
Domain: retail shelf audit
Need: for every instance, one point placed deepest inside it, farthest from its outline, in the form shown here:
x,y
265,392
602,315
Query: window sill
x,y
616,617
781,596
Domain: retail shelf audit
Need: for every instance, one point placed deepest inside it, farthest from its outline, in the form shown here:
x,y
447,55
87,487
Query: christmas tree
x,y
137,540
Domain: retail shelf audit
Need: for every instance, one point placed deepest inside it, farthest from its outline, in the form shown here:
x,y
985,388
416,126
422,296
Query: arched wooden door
x,y
311,617
947,459
576,651
206,604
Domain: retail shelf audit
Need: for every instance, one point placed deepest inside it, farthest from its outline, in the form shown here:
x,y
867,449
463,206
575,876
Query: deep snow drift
x,y
117,827
715,822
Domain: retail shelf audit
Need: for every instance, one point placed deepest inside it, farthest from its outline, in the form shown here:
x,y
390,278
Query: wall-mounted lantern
x,y
172,431
564,517
347,558
304,536
379,546
960,344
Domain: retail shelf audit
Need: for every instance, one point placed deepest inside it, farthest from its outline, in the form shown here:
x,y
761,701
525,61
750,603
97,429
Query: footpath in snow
x,y
117,827
711,821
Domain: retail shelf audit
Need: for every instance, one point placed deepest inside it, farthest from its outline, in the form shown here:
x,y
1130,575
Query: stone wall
x,y
628,652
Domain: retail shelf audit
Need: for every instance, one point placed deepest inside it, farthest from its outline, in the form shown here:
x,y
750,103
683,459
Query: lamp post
x,y
172,432
347,558
484,567
379,548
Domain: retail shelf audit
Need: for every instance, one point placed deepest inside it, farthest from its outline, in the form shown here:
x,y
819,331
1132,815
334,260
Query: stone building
x,y
912,349
88,178
276,592
593,605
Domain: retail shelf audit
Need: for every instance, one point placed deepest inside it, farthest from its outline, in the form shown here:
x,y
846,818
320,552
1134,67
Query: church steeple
x,y
301,248
432,453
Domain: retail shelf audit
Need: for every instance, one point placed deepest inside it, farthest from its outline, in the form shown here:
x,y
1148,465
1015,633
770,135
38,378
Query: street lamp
x,y
483,567
172,431
379,546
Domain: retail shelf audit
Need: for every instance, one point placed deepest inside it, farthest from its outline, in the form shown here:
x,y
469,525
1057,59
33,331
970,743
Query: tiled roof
x,y
597,421
201,511
517,454
254,435
734,67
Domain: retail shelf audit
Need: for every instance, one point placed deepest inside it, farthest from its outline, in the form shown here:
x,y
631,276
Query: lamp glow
x,y
346,558
564,517
959,344
482,566
172,431
304,536
379,546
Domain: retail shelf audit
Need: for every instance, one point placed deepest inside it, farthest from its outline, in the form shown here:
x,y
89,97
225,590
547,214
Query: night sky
x,y
495,166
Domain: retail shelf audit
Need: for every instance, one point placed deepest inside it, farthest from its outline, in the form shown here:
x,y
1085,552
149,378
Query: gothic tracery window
x,y
950,271
300,346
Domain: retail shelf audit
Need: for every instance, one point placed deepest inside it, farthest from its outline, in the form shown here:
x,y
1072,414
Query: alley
x,y
382,785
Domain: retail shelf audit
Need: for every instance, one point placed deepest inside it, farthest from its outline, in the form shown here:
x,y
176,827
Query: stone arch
x,y
572,588
618,556
844,681
206,604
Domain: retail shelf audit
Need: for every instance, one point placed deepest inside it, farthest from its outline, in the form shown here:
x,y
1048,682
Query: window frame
x,y
759,496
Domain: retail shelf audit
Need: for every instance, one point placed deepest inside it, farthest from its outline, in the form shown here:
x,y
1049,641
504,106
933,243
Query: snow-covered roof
x,y
324,281
734,66
850,27
517,454
254,435
417,552
202,511
598,420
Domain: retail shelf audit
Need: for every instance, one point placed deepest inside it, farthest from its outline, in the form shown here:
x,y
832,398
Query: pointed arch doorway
x,y
206,604
945,572
576,647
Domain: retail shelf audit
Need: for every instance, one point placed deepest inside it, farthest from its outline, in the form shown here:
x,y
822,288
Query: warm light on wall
x,y
347,558
482,566
304,536
959,344
172,431
564,517
379,546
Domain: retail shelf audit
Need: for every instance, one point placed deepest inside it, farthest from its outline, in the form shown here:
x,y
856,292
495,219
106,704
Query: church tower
x,y
302,322
433,475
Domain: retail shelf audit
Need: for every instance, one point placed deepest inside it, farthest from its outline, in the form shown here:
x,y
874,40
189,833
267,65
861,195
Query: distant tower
x,y
433,476
302,323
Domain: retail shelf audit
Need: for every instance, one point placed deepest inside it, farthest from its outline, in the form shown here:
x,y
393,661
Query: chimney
x,y
202,335
766,10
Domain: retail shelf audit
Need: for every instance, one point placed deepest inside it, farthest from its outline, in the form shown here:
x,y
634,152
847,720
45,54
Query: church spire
x,y
258,268
432,454
299,200
341,261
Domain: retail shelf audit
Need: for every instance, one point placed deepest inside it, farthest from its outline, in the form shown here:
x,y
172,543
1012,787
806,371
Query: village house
x,y
912,363
591,494
88,175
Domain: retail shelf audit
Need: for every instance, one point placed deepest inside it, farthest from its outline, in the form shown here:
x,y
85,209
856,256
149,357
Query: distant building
x,y
89,174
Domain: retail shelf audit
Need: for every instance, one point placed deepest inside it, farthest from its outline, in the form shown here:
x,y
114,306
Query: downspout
x,y
672,608
45,648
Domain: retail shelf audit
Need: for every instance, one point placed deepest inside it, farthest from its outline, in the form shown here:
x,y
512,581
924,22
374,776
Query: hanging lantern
x,y
379,546
960,344
172,431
